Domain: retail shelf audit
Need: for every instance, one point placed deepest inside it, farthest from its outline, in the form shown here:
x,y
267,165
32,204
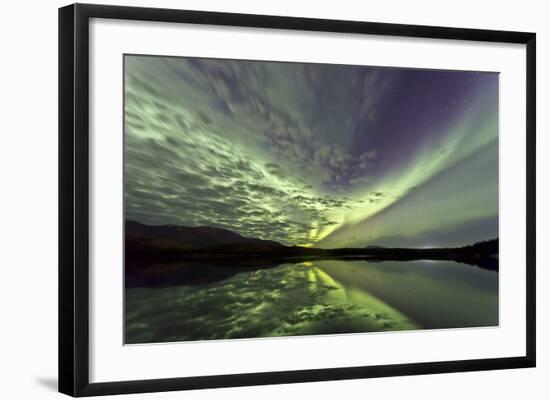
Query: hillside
x,y
177,243
181,237
169,254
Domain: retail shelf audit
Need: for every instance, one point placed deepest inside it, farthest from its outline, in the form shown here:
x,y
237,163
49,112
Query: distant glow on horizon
x,y
311,154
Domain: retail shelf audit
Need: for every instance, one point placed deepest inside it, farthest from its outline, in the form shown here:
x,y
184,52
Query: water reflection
x,y
314,298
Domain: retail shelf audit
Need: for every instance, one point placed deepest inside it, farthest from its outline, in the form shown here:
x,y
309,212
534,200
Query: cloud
x,y
282,151
202,179
279,108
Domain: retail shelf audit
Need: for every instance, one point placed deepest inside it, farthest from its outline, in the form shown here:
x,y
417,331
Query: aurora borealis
x,y
316,155
312,154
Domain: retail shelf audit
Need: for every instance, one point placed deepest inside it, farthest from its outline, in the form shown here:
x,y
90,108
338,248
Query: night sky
x,y
313,154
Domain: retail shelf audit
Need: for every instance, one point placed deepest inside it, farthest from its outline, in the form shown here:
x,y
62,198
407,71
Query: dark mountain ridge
x,y
190,237
172,255
171,243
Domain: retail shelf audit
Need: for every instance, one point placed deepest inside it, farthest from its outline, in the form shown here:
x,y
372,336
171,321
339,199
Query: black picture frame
x,y
74,198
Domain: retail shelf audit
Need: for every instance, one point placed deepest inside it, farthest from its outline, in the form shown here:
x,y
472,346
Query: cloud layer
x,y
306,153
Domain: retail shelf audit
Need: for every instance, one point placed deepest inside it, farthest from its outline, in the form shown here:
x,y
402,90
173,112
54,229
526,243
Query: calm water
x,y
315,298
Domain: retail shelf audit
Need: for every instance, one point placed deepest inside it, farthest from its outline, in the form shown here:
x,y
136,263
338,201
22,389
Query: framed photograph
x,y
250,199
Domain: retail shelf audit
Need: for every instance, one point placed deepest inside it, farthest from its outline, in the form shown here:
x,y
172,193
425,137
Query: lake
x,y
307,298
